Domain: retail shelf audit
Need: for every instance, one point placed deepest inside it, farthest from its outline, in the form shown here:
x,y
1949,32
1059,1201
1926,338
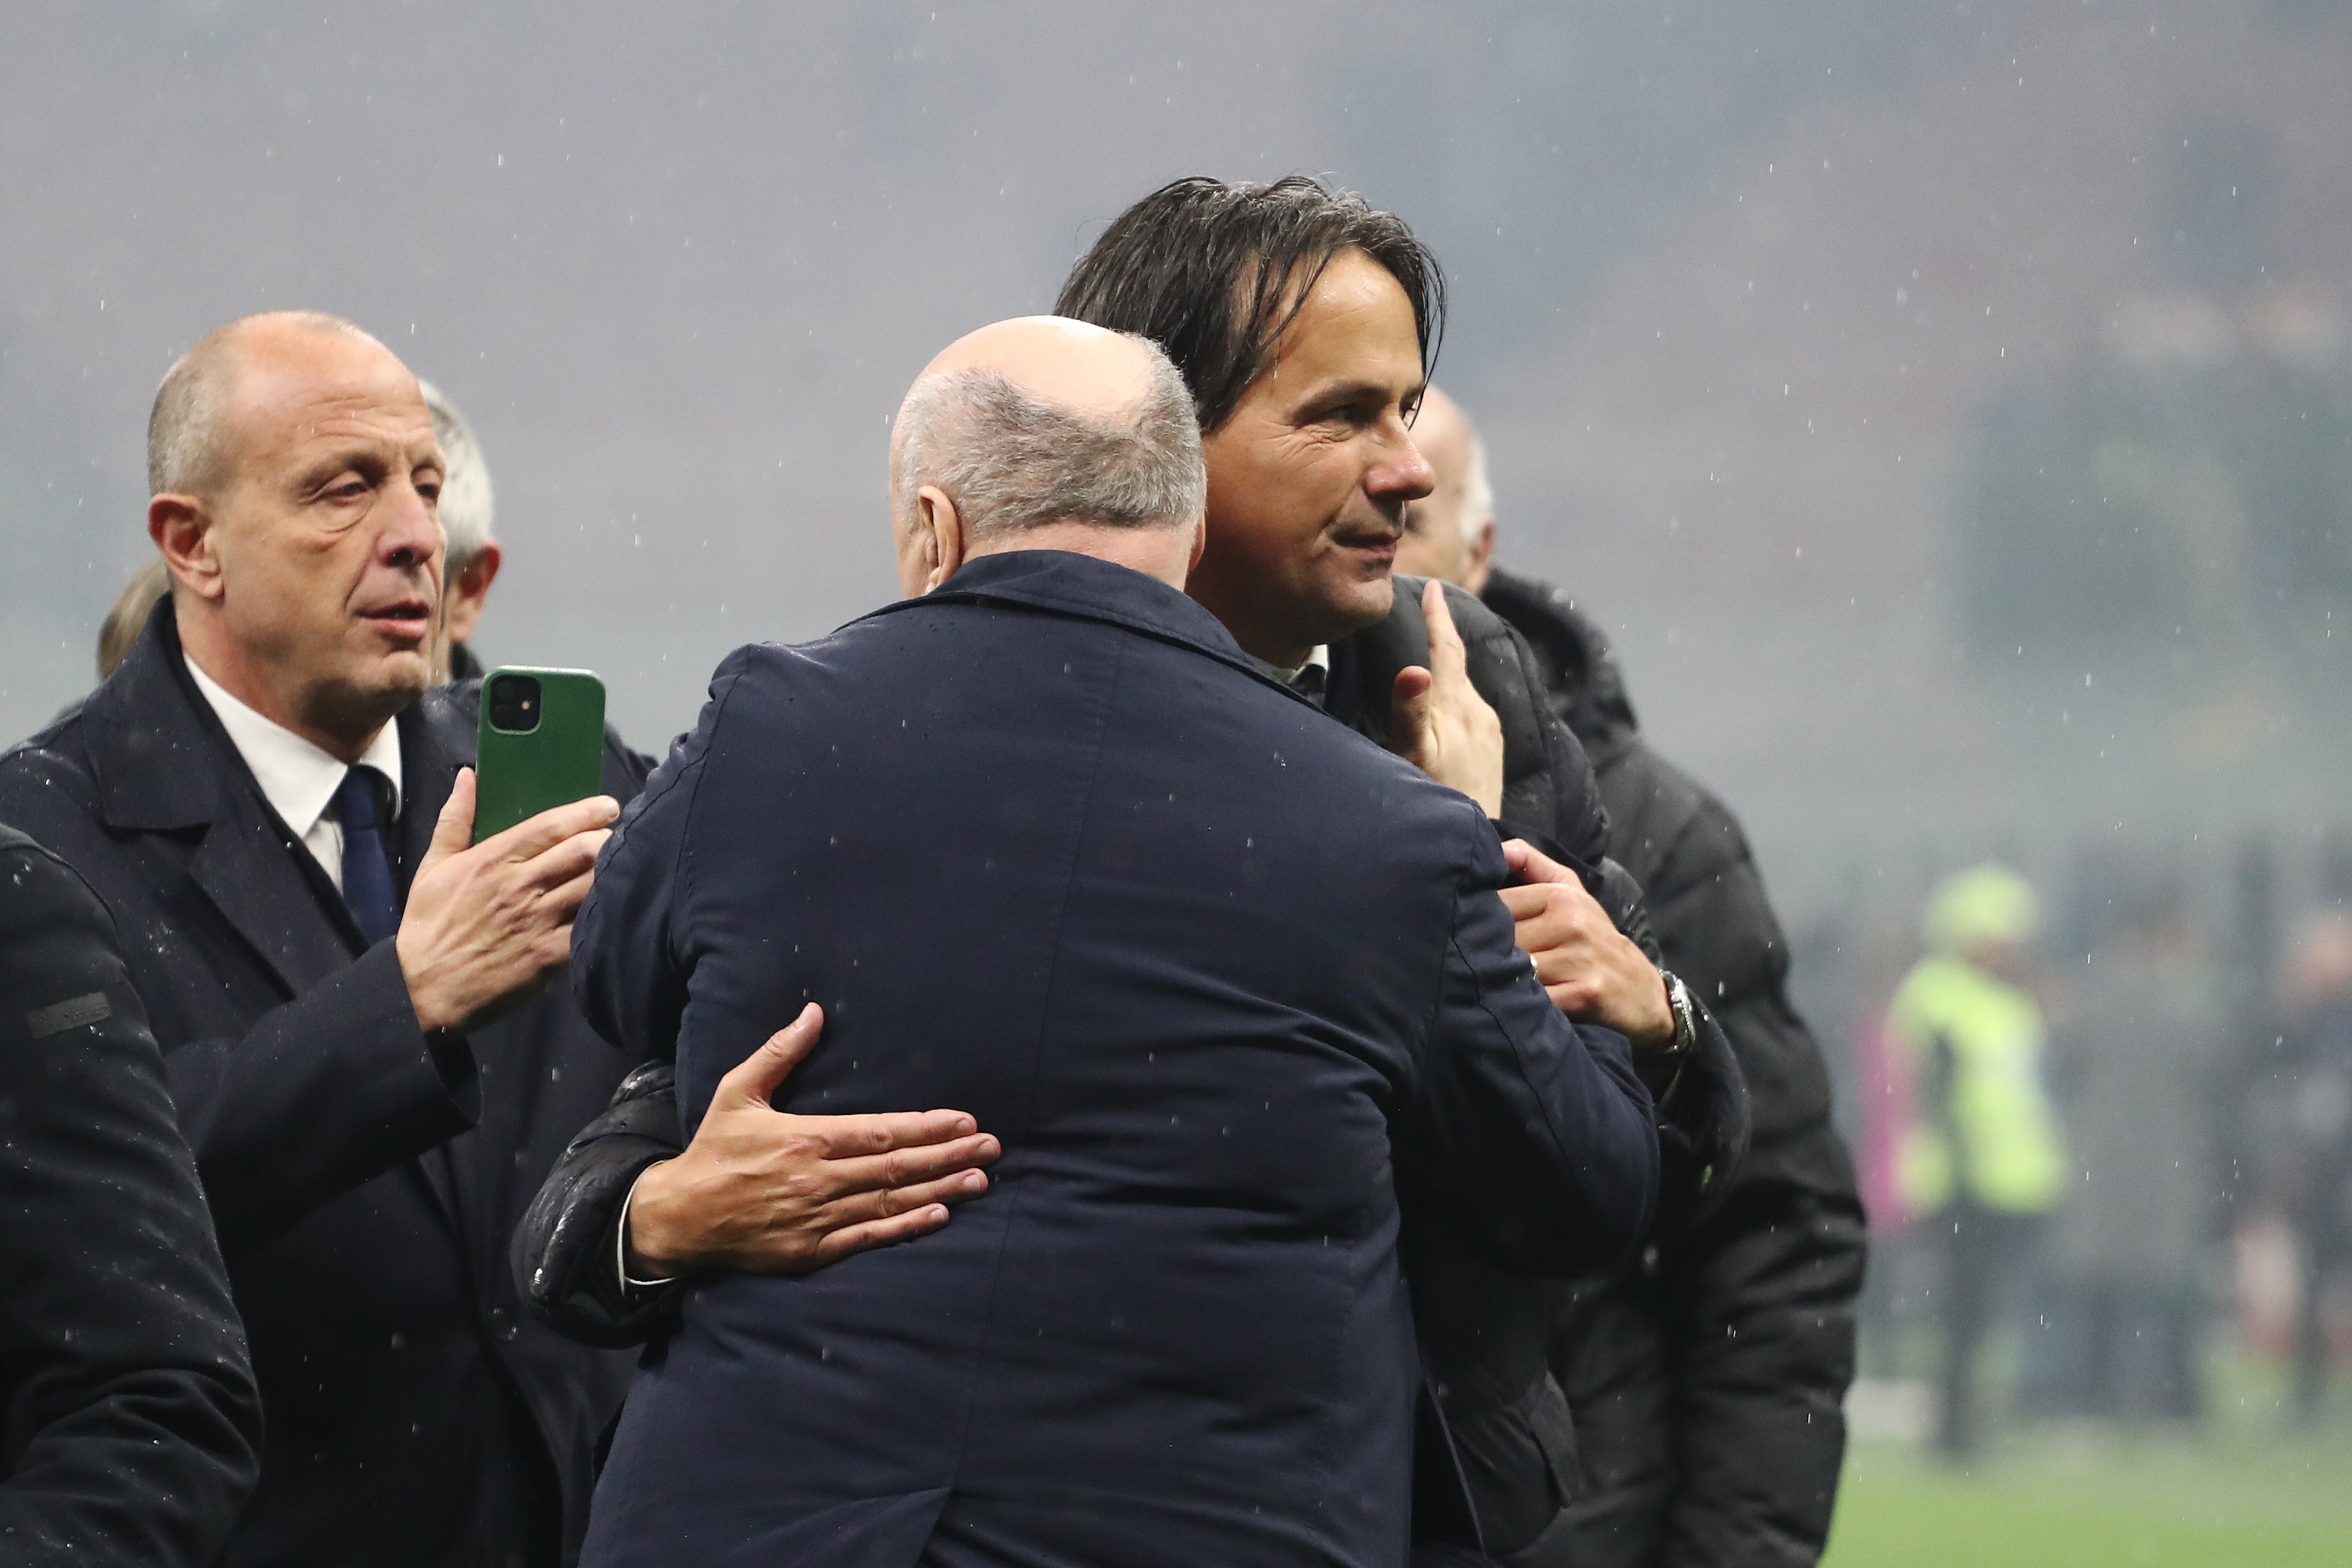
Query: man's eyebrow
x,y
1341,392
361,460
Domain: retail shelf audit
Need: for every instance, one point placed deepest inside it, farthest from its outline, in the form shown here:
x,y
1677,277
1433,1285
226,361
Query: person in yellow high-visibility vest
x,y
1981,1162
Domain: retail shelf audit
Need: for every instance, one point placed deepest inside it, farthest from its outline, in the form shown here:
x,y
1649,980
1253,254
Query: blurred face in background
x,y
2001,957
1434,545
1310,476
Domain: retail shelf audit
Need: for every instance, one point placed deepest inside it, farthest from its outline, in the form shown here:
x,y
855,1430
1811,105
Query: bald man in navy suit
x,y
1041,842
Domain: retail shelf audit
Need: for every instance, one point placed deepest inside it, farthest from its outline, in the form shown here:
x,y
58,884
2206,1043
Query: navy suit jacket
x,y
364,1181
1226,979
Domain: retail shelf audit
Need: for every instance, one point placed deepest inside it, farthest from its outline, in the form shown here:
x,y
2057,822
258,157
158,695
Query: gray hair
x,y
1010,461
1477,495
188,450
468,506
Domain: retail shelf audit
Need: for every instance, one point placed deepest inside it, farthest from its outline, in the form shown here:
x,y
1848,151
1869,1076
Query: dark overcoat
x,y
129,1425
1226,979
1708,1380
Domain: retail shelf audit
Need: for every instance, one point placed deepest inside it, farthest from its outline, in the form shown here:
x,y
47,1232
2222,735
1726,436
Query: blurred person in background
x,y
129,616
2134,1056
2311,1127
1982,1163
129,1430
1708,1381
467,508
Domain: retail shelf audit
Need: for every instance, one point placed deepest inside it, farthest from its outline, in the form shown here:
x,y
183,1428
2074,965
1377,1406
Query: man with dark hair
x,y
1302,321
1302,538
1043,836
1708,1379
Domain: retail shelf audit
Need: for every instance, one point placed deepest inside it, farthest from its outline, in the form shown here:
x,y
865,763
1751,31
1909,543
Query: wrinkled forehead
x,y
1356,322
290,399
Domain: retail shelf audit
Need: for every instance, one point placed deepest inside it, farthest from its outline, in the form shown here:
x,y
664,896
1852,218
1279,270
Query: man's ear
x,y
471,586
941,536
1200,546
1481,560
182,528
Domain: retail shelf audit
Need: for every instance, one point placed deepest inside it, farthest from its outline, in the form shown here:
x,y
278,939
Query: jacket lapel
x,y
274,899
430,759
164,764
435,742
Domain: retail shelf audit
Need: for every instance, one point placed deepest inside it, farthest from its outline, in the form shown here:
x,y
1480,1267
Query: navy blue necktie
x,y
367,871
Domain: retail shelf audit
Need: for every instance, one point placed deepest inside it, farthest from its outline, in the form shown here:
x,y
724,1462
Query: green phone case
x,y
559,759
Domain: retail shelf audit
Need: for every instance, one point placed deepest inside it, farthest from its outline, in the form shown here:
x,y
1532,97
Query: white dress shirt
x,y
297,778
1319,658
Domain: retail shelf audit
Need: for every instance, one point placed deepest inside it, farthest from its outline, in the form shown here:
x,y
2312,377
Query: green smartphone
x,y
541,744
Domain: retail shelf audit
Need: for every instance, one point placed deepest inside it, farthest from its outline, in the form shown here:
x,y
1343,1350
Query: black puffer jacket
x,y
1483,1332
1707,1382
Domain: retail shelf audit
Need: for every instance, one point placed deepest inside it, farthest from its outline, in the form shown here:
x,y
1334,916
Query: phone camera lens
x,y
514,704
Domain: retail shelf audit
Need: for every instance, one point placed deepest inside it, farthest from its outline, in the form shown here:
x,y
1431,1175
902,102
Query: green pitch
x,y
2091,1500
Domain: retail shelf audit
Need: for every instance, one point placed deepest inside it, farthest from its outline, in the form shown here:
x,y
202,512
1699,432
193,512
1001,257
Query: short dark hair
x,y
1216,271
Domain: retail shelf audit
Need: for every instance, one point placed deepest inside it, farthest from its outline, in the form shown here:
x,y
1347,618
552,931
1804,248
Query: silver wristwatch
x,y
1686,1011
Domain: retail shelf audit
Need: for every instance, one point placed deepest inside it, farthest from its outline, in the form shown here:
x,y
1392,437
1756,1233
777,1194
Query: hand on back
x,y
761,1190
486,923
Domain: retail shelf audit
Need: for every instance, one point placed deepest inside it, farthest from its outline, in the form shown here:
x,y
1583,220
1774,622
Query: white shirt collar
x,y
298,778
1319,657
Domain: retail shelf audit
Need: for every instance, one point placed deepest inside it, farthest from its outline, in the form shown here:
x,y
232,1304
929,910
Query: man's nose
x,y
411,533
1402,474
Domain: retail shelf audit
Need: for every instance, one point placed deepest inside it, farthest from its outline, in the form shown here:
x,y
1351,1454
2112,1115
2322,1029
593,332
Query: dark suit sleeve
x,y
1533,1133
132,1424
319,1095
631,988
326,1092
626,972
565,1252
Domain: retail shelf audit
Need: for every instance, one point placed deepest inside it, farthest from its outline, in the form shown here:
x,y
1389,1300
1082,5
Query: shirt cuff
x,y
621,1244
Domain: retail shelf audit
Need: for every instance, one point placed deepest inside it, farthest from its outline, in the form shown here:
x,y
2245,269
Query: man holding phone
x,y
349,991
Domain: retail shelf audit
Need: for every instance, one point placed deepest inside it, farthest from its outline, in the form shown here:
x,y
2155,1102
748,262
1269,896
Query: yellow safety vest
x,y
2014,1158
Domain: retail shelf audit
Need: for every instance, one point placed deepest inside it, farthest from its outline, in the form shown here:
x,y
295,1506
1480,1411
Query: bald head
x,y
1081,369
190,437
1450,532
1041,424
296,480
